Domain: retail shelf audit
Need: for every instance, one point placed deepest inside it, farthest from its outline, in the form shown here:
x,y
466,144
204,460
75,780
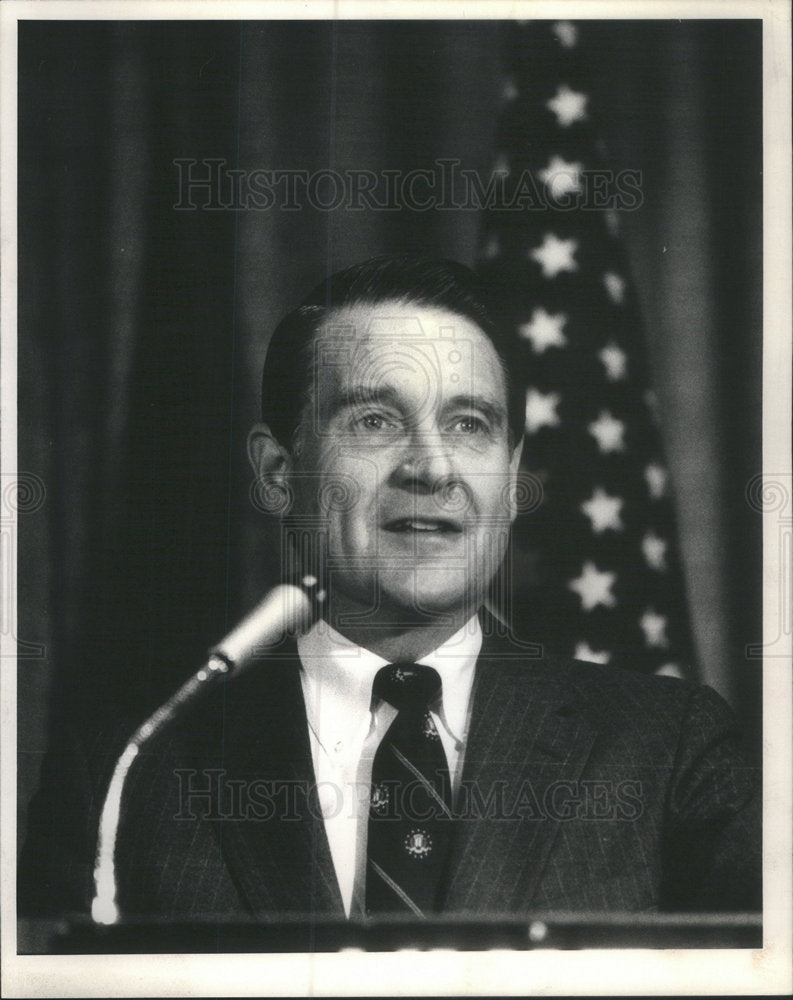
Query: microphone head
x,y
286,610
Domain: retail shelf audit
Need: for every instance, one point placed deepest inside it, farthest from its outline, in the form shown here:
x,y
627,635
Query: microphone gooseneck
x,y
287,609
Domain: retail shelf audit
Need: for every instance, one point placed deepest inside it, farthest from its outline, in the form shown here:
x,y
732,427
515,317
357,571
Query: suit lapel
x,y
529,739
529,733
275,846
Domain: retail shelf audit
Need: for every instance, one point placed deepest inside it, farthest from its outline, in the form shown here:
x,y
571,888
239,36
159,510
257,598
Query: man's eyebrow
x,y
364,395
493,410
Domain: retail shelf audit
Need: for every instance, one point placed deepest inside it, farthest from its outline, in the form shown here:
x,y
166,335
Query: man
x,y
406,755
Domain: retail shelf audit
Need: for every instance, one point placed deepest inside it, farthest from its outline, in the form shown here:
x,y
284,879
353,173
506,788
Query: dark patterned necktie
x,y
410,806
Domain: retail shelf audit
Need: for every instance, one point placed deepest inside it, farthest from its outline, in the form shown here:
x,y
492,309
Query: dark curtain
x,y
142,326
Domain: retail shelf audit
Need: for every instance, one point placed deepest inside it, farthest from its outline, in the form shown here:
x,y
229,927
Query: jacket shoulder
x,y
614,698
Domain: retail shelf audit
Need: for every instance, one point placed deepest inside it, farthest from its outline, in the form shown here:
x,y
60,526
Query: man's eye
x,y
470,425
373,421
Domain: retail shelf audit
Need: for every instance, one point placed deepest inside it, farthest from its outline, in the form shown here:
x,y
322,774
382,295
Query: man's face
x,y
405,460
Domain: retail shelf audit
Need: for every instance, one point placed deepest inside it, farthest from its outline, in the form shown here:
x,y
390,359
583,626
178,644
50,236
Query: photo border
x,y
589,971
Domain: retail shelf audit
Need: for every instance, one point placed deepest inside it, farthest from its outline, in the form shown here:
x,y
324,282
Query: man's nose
x,y
427,461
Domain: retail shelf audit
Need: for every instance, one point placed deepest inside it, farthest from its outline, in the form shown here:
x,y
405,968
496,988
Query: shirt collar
x,y
337,677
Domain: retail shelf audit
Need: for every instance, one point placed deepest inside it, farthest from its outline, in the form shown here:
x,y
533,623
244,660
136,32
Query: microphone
x,y
287,609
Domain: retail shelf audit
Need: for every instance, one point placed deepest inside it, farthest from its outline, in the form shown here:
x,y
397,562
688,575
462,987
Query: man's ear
x,y
271,464
514,468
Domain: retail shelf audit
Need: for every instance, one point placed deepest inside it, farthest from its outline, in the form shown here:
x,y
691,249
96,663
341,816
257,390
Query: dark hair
x,y
445,284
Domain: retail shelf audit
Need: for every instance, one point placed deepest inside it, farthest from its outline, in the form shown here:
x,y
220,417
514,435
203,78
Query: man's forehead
x,y
369,324
407,355
363,333
406,346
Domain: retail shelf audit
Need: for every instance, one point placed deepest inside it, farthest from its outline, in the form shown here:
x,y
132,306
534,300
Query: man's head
x,y
390,417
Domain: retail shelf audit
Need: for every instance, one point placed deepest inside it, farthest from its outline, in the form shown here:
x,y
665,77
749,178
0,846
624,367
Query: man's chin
x,y
429,595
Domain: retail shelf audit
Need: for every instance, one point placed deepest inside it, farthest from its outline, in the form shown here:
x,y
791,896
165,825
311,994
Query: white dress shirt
x,y
346,727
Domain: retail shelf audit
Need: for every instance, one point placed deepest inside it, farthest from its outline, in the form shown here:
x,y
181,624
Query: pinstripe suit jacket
x,y
583,788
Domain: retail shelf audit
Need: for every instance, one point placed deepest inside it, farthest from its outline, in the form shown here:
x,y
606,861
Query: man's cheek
x,y
349,535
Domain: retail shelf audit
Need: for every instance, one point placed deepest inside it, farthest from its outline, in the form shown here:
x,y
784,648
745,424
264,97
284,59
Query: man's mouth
x,y
423,524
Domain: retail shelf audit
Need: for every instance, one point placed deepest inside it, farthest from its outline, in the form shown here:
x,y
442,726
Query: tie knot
x,y
407,685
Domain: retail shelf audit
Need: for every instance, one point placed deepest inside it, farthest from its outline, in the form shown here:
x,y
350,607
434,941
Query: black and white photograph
x,y
396,498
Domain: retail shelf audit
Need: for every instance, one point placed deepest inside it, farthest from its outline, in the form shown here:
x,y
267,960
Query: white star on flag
x,y
608,432
654,627
509,91
568,105
561,177
594,587
541,410
555,255
603,511
655,476
544,330
654,549
615,361
584,652
615,286
567,34
501,167
612,222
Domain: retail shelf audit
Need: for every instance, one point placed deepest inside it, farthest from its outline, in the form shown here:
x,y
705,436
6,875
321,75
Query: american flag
x,y
595,570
